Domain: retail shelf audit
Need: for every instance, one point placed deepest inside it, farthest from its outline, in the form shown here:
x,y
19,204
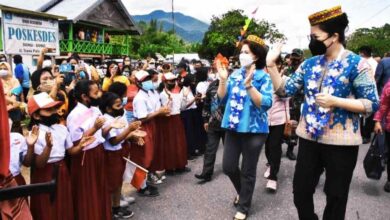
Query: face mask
x,y
117,112
170,86
46,63
152,66
212,76
147,85
50,120
155,85
246,60
126,73
82,75
3,73
124,101
94,102
318,47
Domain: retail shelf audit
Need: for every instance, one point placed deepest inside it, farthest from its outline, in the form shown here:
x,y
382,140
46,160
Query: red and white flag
x,y
134,174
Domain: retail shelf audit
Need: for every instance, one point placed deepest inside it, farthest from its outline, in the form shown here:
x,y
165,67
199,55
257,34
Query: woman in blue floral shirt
x,y
247,94
337,90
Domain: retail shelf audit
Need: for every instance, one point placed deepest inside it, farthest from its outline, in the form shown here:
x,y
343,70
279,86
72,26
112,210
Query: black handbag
x,y
374,161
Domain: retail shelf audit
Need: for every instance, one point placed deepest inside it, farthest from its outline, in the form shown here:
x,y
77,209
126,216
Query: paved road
x,y
182,198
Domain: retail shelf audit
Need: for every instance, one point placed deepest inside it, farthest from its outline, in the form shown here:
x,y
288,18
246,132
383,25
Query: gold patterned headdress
x,y
255,39
325,15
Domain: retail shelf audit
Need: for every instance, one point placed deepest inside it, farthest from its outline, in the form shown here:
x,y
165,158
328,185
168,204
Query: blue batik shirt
x,y
241,114
346,77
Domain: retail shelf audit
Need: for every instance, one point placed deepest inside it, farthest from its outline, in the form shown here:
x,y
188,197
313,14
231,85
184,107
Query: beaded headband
x,y
325,15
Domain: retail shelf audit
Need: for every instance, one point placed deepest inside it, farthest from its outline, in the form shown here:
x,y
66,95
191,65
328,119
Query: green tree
x,y
154,40
224,31
378,38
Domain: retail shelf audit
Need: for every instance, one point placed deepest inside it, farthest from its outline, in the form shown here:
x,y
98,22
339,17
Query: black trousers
x,y
189,121
367,126
213,138
273,149
244,179
338,163
388,154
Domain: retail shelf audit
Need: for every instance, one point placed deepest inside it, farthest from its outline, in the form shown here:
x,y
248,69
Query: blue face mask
x,y
147,85
82,75
124,101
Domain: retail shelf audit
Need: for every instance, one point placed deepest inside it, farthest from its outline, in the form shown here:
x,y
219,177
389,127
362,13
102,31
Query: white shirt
x,y
202,88
174,101
186,100
142,105
81,119
18,152
373,65
61,141
155,97
113,133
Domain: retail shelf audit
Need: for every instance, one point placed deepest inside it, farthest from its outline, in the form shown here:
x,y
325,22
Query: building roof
x,y
111,14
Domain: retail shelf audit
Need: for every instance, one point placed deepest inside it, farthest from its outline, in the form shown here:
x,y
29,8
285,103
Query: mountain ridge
x,y
188,28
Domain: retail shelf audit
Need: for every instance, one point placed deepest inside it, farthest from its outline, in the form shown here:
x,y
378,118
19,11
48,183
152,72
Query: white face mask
x,y
246,60
46,63
3,73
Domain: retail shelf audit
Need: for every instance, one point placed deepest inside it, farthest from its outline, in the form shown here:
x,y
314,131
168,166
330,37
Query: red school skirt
x,y
159,138
174,143
20,180
115,168
91,199
143,155
62,207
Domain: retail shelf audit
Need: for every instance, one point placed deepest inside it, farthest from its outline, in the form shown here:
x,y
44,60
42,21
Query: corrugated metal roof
x,y
32,5
72,9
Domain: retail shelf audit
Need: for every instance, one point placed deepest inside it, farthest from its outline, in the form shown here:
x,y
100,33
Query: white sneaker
x,y
272,185
128,199
267,172
124,203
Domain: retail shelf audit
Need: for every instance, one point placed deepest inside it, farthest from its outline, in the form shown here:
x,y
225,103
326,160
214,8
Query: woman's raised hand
x,y
274,54
222,71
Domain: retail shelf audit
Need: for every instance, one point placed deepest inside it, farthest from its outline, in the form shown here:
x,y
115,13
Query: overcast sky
x,y
290,16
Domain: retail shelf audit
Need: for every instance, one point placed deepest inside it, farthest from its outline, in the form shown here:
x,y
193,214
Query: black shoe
x,y
191,158
149,191
203,177
122,213
387,187
183,170
290,155
366,140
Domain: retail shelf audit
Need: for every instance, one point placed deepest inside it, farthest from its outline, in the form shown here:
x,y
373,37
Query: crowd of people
x,y
161,116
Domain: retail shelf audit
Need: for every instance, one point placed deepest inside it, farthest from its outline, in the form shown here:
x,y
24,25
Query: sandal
x,y
239,216
236,200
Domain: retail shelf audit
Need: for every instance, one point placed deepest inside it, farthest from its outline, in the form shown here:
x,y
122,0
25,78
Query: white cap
x,y
169,76
141,75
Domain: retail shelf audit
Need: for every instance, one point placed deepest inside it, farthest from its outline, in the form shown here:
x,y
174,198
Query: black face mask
x,y
117,112
170,86
50,120
94,102
318,47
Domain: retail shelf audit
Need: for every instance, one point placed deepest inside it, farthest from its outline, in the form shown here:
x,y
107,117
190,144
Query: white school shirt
x,y
82,118
202,88
188,99
155,97
142,105
18,152
61,141
113,133
175,104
